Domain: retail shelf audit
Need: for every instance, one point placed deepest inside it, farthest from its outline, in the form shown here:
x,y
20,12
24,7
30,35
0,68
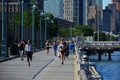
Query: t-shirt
x,y
55,46
71,46
28,48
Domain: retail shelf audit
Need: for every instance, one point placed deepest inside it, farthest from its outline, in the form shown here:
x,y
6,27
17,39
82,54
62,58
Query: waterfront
x,y
110,70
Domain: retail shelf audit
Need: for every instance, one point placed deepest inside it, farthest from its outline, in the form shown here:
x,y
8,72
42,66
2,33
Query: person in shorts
x,y
29,52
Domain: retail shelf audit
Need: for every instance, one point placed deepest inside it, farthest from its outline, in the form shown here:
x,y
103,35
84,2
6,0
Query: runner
x,y
29,52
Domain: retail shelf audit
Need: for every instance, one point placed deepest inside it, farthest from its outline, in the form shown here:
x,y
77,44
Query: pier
x,y
99,47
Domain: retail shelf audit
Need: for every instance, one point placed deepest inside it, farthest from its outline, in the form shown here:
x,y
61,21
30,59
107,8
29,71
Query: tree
x,y
62,32
83,30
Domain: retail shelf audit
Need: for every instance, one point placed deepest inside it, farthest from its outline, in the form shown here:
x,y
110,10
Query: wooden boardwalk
x,y
43,67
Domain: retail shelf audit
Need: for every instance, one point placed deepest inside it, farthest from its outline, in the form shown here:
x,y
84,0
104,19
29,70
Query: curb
x,y
6,59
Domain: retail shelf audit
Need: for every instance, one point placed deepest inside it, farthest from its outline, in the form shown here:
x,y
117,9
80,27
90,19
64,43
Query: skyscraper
x,y
55,7
95,2
117,2
68,10
78,15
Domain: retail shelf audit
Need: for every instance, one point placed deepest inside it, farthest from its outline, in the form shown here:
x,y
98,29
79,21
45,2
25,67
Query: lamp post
x,y
71,32
98,25
3,46
41,13
33,23
22,33
110,35
46,18
94,33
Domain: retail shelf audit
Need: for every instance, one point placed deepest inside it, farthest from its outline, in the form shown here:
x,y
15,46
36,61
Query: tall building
x,y
76,11
72,10
117,2
106,20
68,10
79,12
95,14
92,16
111,19
55,7
95,2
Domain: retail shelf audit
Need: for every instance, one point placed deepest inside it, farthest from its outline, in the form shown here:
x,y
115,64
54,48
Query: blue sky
x,y
106,2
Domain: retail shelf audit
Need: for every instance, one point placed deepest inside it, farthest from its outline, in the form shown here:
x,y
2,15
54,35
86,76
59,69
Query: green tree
x,y
83,30
62,32
103,36
16,19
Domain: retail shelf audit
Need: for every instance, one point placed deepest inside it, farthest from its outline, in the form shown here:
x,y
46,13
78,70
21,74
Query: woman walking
x,y
61,48
29,52
21,49
66,50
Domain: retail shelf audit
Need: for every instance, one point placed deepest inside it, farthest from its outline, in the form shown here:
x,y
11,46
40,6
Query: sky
x,y
106,2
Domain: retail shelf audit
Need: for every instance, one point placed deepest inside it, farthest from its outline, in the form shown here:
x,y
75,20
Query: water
x,y
110,70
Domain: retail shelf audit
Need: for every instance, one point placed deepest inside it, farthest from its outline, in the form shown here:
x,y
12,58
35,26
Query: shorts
x,y
47,47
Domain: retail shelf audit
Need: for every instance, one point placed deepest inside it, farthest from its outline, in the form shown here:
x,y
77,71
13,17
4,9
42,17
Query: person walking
x,y
21,46
55,47
66,50
71,47
29,52
47,46
61,49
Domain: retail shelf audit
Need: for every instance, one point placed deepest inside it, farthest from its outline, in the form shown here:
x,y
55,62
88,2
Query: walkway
x,y
43,67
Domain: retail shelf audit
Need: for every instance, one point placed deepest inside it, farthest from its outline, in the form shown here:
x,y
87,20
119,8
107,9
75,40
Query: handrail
x,y
100,43
82,71
86,68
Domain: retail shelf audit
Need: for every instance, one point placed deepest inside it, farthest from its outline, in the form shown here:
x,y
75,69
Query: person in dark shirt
x,y
66,50
21,49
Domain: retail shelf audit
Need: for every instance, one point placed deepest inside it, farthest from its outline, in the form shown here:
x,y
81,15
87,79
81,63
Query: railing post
x,y
109,56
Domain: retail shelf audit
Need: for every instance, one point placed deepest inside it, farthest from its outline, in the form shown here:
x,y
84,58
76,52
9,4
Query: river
x,y
110,70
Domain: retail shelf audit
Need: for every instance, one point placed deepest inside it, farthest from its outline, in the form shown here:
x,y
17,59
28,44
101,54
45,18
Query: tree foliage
x,y
63,32
83,30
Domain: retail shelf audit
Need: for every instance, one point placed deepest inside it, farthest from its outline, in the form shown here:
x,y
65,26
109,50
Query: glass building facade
x,y
55,7
68,10
78,11
96,2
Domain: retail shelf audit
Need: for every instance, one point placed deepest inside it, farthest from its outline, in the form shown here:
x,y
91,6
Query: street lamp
x,y
41,13
94,36
46,18
71,32
22,33
33,23
3,46
98,24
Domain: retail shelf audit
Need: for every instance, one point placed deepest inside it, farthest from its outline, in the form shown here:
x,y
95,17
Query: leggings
x,y
29,56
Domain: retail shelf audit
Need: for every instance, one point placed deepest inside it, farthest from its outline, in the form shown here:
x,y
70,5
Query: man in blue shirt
x,y
71,47
55,47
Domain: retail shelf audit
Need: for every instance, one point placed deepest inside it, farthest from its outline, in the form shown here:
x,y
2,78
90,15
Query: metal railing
x,y
99,43
87,70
